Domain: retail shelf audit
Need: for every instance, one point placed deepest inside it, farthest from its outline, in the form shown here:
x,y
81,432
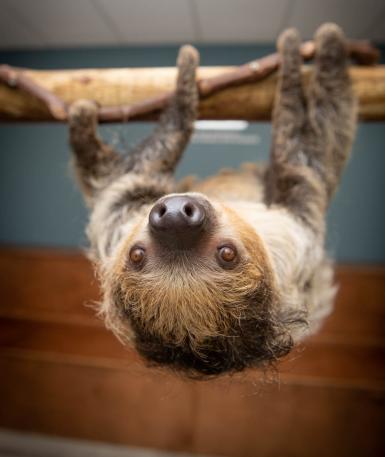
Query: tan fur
x,y
244,184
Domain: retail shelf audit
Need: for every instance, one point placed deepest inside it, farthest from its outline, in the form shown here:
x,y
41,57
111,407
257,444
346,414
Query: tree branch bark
x,y
245,92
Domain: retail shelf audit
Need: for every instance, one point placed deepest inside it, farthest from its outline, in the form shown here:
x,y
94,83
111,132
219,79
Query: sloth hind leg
x,y
312,131
332,106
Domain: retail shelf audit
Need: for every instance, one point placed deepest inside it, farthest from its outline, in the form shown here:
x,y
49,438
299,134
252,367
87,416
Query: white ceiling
x,y
58,23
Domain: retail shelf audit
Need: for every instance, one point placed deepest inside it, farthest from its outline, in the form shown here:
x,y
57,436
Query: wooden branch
x,y
362,52
17,79
140,93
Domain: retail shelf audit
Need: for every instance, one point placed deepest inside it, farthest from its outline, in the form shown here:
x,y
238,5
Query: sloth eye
x,y
227,254
137,255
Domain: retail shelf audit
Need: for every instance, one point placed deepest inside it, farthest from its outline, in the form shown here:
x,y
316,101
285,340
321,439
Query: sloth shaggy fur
x,y
190,306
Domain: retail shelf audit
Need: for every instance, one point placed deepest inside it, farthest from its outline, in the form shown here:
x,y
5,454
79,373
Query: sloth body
x,y
227,273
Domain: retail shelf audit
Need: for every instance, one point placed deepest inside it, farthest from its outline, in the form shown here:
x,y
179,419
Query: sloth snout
x,y
177,221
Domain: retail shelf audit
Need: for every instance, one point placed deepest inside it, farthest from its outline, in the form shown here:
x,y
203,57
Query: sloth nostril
x,y
162,210
188,209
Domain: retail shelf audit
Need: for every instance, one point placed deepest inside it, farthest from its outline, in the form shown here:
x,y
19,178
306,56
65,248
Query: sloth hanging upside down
x,y
230,272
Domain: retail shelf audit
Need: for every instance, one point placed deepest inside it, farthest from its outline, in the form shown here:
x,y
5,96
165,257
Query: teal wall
x,y
40,204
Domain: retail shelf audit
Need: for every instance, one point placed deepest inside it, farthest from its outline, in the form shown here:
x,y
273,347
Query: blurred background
x,y
67,387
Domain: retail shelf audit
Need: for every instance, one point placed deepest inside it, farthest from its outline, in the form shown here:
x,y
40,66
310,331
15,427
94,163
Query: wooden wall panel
x,y
62,339
47,284
294,420
359,313
231,418
351,363
63,373
96,403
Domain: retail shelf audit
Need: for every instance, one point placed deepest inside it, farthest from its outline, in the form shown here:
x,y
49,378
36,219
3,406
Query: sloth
x,y
228,273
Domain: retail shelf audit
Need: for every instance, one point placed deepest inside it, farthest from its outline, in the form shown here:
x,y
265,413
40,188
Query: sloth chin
x,y
255,335
255,342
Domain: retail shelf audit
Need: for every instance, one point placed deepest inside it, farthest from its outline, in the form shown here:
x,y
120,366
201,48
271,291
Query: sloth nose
x,y
177,221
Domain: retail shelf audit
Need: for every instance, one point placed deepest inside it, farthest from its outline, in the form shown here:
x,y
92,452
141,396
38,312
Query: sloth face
x,y
194,287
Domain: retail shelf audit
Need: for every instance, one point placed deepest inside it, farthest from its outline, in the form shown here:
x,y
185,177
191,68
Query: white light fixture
x,y
222,125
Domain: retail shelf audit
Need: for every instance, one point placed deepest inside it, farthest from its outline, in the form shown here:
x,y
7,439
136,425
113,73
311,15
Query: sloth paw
x,y
288,41
331,47
83,111
188,57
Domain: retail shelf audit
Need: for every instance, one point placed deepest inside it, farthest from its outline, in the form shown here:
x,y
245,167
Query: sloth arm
x,y
98,164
